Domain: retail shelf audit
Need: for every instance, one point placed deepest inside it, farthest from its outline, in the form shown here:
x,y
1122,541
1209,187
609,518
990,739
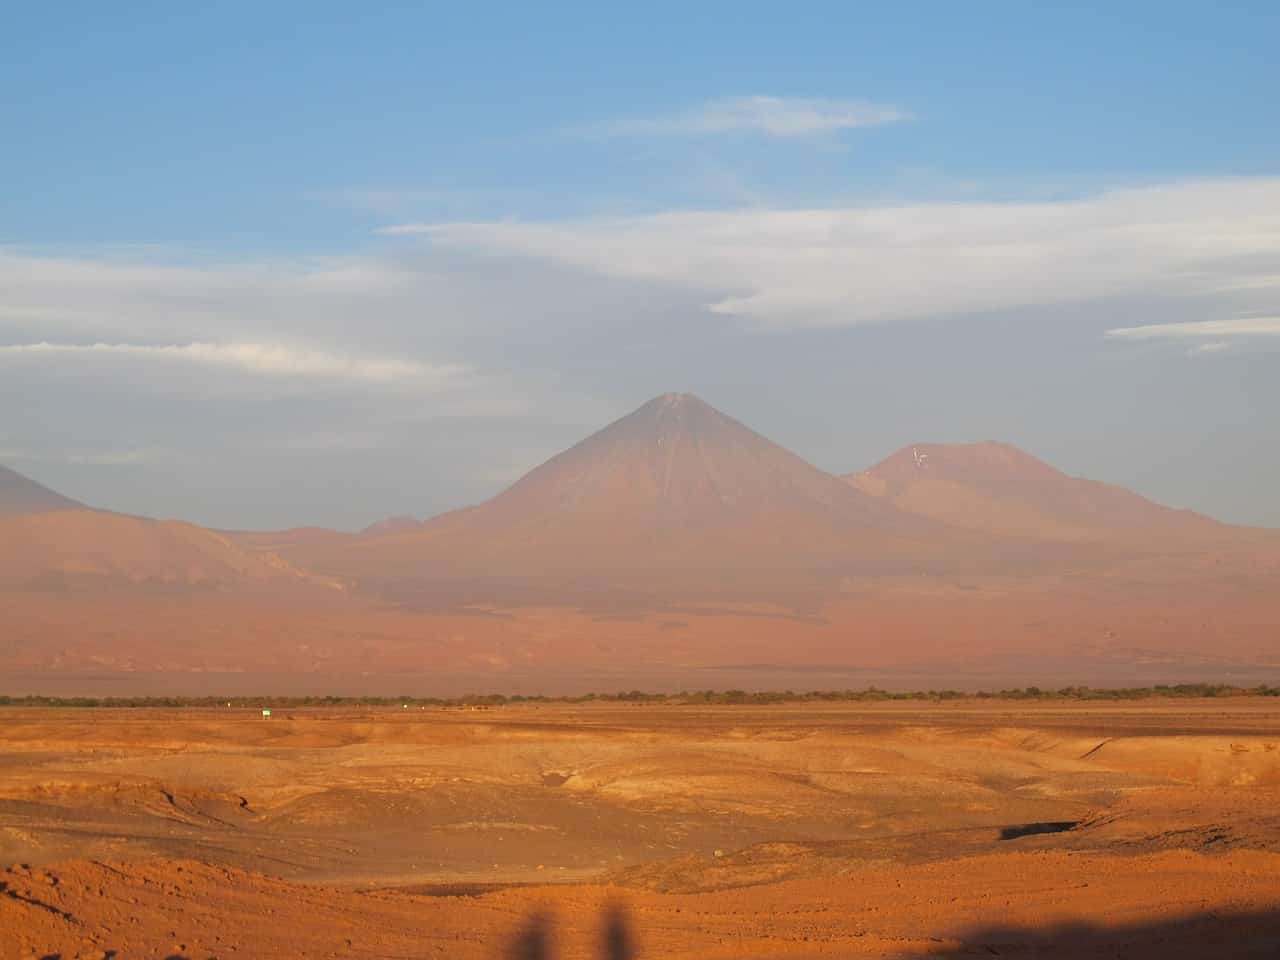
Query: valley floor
x,y
888,829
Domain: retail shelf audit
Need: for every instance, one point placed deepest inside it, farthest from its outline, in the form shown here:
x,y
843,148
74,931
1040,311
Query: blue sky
x,y
394,256
249,124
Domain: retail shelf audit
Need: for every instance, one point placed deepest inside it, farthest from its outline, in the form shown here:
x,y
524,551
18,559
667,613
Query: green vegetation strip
x,y
698,697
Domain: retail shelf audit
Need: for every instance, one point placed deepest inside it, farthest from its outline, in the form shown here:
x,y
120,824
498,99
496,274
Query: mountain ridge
x,y
673,539
673,489
57,542
20,495
997,488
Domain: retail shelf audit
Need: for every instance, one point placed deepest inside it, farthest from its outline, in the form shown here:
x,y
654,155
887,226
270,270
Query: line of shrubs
x,y
709,697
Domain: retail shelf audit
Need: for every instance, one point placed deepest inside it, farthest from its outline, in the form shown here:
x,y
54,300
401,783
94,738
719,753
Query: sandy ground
x,y
895,829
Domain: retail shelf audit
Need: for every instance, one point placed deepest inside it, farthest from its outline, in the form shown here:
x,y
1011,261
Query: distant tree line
x,y
698,697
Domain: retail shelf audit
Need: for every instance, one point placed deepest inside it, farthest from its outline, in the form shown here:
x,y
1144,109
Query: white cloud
x,y
110,458
257,358
1213,346
352,324
1256,283
1214,330
854,265
785,117
528,330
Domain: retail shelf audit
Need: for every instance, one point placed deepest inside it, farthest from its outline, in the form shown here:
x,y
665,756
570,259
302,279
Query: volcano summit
x,y
675,493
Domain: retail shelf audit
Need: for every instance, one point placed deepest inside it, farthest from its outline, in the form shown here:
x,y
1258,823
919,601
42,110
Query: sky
x,y
270,265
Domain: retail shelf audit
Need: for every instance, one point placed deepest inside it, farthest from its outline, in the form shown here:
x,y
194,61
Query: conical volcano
x,y
674,492
672,468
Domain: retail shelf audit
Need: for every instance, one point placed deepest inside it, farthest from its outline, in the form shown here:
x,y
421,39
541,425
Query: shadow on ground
x,y
1251,936
534,941
1217,935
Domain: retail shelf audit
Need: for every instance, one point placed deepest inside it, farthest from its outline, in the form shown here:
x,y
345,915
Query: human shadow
x,y
617,943
534,940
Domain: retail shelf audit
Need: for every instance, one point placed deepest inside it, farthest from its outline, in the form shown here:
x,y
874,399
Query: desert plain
x,y
889,829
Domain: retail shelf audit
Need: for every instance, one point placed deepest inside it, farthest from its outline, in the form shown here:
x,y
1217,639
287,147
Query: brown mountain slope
x,y
673,493
20,495
998,489
674,540
301,541
78,545
50,540
401,524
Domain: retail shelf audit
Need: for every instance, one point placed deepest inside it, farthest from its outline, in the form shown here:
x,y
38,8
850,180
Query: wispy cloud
x,y
350,324
257,358
1216,331
1208,337
787,117
843,266
1212,347
109,458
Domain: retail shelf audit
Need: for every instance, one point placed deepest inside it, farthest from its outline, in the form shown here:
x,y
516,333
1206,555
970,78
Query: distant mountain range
x,y
661,532
48,540
996,488
675,494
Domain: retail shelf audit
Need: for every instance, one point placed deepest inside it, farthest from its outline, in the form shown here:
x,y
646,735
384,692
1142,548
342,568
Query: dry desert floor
x,y
899,829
